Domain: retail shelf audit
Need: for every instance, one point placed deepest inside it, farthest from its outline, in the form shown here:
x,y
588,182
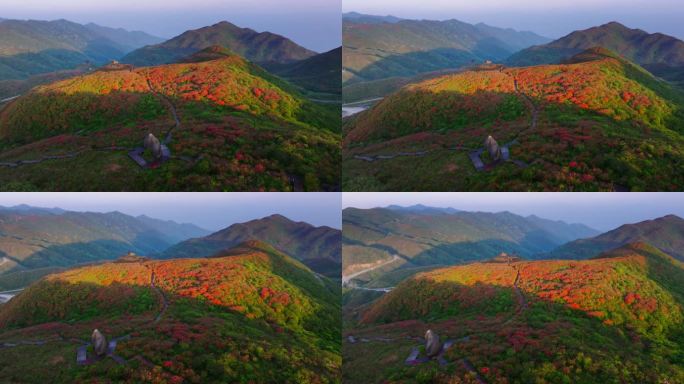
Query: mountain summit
x,y
258,47
657,52
319,248
664,233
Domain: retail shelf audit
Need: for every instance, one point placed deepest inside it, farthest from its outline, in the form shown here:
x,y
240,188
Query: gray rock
x,y
99,343
432,344
493,148
153,144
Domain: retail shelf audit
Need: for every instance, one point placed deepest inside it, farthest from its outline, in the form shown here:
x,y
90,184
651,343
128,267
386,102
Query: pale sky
x,y
212,211
551,18
314,24
602,211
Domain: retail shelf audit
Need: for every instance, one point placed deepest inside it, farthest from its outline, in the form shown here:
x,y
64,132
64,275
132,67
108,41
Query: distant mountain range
x,y
36,241
369,19
376,48
36,238
423,236
317,247
665,233
30,47
420,208
264,47
661,54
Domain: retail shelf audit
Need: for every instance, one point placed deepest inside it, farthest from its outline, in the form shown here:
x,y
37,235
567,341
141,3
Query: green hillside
x,y
254,315
613,319
230,124
597,123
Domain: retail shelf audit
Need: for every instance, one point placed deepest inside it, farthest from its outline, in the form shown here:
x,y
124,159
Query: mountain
x,y
129,40
35,239
405,48
659,53
316,247
320,73
230,124
619,318
420,208
389,239
664,233
23,208
255,315
30,47
369,19
595,123
258,47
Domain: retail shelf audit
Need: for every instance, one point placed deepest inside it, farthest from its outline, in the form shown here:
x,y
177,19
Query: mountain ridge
x,y
657,52
316,247
32,47
661,233
406,48
260,47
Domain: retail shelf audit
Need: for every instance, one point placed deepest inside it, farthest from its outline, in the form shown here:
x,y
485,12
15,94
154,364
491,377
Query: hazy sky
x,y
212,211
551,18
314,24
602,211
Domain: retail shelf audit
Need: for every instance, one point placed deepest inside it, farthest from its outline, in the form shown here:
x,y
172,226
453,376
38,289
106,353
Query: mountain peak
x,y
258,47
613,24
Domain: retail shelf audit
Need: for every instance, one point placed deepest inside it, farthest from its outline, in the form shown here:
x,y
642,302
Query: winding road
x,y
347,278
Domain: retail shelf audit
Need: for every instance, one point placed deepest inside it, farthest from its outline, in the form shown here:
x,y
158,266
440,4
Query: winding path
x,y
134,153
372,158
69,155
413,357
82,350
474,153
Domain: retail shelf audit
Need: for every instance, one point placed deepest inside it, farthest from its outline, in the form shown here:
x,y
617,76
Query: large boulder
x,y
99,343
493,148
153,144
432,344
